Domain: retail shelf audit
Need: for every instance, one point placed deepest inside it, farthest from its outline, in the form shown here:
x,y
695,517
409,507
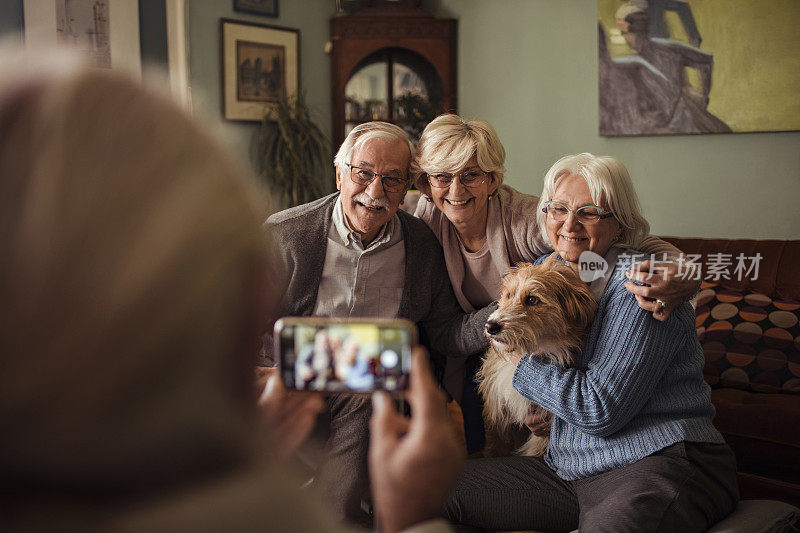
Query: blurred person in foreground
x,y
133,289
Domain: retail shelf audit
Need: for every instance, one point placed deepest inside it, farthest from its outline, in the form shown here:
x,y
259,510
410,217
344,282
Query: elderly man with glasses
x,y
353,254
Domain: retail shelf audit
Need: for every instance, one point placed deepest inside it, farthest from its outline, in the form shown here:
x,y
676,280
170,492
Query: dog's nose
x,y
493,328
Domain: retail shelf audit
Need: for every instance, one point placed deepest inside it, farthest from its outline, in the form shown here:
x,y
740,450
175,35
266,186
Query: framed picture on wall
x,y
104,32
260,66
668,68
267,8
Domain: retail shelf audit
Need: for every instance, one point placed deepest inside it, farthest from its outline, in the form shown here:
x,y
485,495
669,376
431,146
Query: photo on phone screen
x,y
357,356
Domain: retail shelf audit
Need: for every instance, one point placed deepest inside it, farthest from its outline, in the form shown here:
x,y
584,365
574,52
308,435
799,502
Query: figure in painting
x,y
648,92
658,27
633,94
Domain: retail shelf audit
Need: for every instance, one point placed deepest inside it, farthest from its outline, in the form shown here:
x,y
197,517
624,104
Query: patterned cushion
x,y
750,341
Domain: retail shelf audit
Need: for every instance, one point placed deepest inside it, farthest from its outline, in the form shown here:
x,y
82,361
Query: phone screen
x,y
345,357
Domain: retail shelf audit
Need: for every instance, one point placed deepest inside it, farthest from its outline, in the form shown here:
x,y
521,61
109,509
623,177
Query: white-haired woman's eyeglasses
x,y
588,214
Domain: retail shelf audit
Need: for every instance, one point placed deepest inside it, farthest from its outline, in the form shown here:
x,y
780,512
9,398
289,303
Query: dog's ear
x,y
576,299
516,267
584,307
512,270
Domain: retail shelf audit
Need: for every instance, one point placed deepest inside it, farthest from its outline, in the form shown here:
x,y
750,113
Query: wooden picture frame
x,y
266,8
260,65
117,47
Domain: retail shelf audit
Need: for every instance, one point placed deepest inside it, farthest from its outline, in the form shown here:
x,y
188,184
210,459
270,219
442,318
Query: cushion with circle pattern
x,y
750,341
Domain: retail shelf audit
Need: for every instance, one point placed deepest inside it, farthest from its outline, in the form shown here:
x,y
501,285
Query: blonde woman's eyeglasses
x,y
470,178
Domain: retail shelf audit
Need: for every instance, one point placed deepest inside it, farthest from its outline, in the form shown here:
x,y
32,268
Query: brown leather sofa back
x,y
779,267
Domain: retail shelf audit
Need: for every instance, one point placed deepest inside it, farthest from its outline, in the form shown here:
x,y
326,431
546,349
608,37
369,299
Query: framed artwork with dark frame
x,y
260,67
267,8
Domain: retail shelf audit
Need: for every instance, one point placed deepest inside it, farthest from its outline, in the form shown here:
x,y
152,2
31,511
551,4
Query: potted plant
x,y
293,154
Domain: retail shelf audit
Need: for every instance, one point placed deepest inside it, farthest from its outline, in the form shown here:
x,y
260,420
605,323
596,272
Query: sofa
x,y
748,327
747,323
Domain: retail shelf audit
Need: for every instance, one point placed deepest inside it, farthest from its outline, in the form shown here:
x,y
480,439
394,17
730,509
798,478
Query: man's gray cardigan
x,y
301,236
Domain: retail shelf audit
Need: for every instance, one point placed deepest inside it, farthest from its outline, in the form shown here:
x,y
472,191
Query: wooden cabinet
x,y
394,63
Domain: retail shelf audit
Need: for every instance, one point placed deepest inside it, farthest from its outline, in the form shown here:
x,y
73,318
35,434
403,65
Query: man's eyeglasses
x,y
364,176
470,178
588,214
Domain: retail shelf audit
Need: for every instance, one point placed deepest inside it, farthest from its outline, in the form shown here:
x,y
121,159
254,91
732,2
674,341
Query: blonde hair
x,y
610,186
130,248
368,131
448,142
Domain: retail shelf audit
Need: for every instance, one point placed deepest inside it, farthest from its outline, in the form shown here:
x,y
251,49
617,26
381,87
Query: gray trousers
x,y
343,475
683,488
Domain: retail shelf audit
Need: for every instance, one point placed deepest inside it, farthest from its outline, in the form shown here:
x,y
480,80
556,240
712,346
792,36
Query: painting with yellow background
x,y
754,48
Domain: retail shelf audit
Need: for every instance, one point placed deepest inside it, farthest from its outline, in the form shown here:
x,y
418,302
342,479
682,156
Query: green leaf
x,y
293,154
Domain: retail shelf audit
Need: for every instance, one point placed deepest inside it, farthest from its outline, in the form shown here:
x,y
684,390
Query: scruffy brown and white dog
x,y
543,311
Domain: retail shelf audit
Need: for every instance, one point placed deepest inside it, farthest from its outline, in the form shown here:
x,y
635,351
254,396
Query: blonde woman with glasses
x,y
485,227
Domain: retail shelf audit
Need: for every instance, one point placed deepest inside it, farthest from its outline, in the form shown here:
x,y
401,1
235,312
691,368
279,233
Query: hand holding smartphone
x,y
344,355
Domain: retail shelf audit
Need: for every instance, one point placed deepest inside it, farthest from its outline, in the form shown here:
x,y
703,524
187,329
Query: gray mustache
x,y
365,199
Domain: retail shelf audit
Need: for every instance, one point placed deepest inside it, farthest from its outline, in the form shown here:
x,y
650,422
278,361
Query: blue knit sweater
x,y
636,388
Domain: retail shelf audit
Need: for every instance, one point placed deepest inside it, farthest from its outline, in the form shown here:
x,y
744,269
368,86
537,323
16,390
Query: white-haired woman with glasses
x,y
485,227
632,445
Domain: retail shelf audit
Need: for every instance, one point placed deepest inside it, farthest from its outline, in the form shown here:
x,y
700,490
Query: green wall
x,y
529,67
309,16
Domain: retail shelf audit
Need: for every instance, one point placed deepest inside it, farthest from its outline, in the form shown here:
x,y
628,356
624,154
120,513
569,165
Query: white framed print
x,y
104,32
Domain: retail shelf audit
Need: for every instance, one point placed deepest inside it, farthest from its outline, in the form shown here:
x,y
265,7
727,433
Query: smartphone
x,y
344,355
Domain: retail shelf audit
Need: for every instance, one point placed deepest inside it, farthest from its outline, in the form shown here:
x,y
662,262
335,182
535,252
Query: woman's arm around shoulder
x,y
630,351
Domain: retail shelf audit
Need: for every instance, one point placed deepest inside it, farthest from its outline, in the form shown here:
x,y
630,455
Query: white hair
x,y
611,188
368,131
